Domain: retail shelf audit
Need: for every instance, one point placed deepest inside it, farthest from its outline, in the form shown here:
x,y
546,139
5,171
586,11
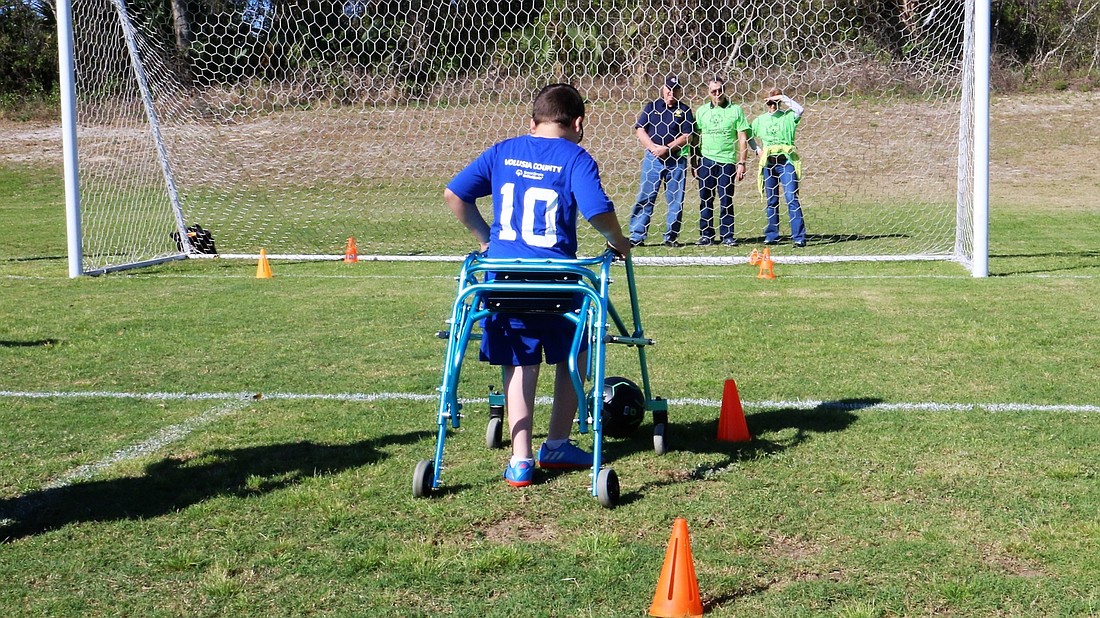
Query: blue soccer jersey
x,y
538,185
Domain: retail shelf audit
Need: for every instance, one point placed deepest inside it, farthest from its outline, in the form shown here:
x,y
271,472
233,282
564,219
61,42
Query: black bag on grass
x,y
202,241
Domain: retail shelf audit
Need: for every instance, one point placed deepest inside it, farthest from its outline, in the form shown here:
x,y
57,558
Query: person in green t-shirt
x,y
722,132
773,140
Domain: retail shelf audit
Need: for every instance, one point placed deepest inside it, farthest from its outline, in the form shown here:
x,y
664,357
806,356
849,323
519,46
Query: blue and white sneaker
x,y
566,456
520,475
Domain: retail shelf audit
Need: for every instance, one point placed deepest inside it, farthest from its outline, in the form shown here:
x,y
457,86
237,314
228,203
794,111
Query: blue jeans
x,y
782,174
716,178
673,173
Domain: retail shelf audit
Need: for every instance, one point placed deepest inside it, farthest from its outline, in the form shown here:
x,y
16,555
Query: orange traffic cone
x,y
677,593
263,269
767,266
754,258
731,420
351,253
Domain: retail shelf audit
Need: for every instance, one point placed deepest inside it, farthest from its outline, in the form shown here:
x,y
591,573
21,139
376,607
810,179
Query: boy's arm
x,y
607,223
470,216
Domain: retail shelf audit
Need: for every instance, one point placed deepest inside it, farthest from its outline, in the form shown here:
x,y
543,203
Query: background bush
x,y
1037,43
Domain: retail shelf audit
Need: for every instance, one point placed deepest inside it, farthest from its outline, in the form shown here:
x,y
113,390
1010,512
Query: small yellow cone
x,y
263,269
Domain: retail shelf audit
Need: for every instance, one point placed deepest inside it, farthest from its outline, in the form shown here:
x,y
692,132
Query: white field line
x,y
928,406
216,396
152,444
797,404
172,433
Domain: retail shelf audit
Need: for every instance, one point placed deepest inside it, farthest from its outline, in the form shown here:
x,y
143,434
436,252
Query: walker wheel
x,y
659,445
494,432
607,488
422,478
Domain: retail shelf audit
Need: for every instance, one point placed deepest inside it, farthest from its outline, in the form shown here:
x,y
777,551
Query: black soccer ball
x,y
623,407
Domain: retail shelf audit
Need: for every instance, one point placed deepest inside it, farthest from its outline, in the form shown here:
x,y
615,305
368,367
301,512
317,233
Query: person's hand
x,y
621,246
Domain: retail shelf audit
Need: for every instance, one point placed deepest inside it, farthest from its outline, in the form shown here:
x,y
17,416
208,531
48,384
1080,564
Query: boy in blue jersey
x,y
539,182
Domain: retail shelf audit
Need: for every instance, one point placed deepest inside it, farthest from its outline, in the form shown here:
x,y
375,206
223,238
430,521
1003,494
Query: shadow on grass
x,y
701,437
33,258
172,484
35,343
1041,262
811,239
825,239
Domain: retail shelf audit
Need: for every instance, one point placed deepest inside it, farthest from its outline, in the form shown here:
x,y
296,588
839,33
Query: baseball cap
x,y
672,82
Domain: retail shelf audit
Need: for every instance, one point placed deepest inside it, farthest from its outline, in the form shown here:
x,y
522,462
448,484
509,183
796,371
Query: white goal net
x,y
294,125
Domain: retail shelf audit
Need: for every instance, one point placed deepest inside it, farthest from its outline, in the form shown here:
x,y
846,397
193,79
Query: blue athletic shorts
x,y
504,344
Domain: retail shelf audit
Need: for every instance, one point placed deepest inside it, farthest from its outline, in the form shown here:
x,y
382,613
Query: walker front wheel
x,y
607,488
494,433
660,446
422,478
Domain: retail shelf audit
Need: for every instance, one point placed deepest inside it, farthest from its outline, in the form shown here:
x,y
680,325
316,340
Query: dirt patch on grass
x,y
1044,149
1014,565
30,142
520,530
790,548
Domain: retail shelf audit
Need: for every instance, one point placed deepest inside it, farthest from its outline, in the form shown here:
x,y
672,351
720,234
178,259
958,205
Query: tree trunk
x,y
182,24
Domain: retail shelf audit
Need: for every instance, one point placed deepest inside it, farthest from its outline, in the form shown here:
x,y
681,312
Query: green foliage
x,y
28,52
423,43
22,108
1042,34
557,45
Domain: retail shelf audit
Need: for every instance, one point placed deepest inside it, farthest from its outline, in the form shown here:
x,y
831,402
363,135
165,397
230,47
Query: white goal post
x,y
294,125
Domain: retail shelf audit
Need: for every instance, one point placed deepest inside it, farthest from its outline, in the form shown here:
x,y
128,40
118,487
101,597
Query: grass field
x,y
189,440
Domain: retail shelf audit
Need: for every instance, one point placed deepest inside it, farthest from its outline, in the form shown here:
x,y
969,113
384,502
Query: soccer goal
x,y
294,125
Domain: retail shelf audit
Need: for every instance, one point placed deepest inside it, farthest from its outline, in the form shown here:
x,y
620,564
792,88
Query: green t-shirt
x,y
776,129
718,128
